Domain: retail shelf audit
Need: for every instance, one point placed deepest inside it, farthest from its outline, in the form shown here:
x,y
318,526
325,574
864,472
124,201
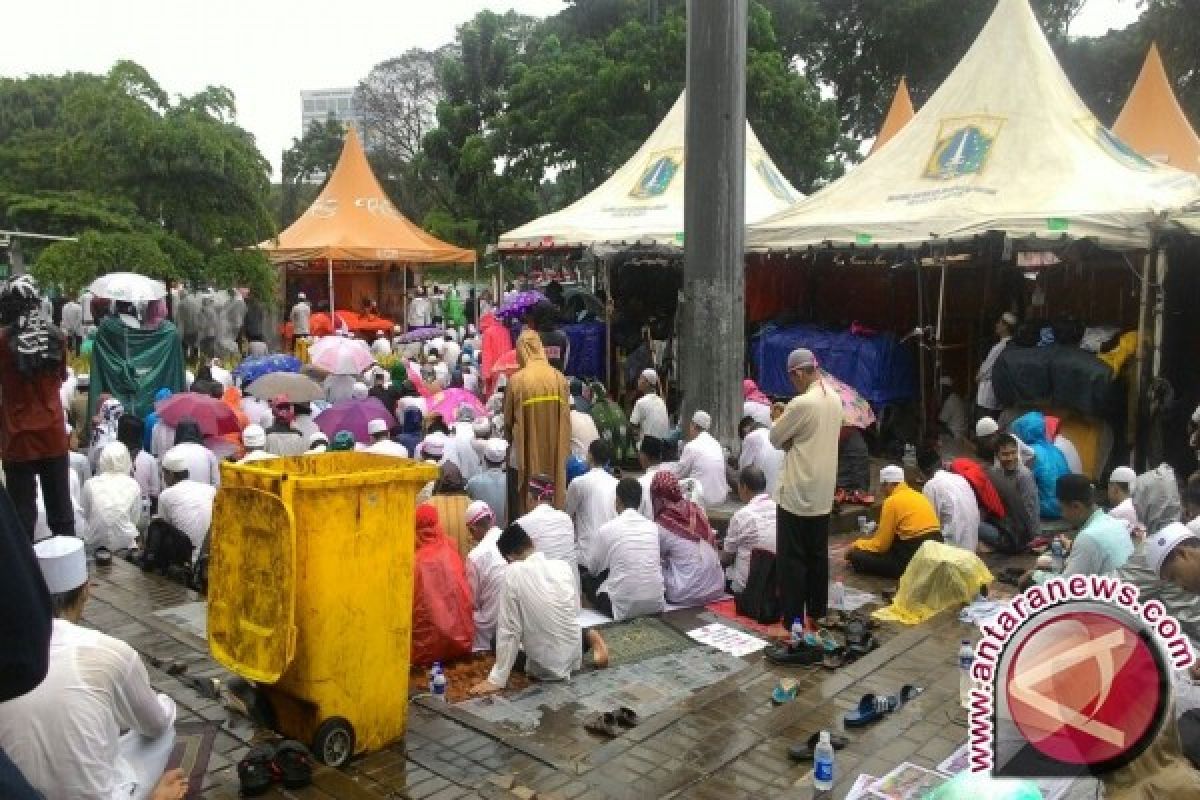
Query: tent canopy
x,y
899,114
353,220
1005,144
1152,121
642,202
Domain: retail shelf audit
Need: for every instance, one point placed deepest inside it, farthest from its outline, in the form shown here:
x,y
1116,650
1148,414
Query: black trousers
x,y
802,564
892,563
21,477
590,584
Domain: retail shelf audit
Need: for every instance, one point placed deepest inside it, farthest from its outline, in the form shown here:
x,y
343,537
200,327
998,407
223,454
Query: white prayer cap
x,y
301,296
495,450
465,358
702,420
434,444
985,427
254,436
376,426
650,376
1163,543
360,391
317,438
1009,318
63,563
891,474
478,511
482,427
174,461
1122,475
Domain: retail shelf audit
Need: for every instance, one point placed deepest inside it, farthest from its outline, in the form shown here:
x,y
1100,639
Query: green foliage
x,y
73,265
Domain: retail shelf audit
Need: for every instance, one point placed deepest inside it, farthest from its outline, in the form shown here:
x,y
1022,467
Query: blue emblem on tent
x,y
1121,151
656,177
774,180
963,152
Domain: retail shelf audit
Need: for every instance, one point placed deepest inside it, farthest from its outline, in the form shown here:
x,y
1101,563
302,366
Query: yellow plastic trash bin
x,y
310,592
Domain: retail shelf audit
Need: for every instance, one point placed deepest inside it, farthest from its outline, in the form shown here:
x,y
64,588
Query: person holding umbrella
x,y
284,439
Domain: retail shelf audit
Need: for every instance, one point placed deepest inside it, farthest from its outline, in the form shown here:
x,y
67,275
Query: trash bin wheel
x,y
333,742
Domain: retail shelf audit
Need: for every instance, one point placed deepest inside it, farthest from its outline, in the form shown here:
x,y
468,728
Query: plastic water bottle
x,y
966,657
837,595
439,686
862,523
433,673
1056,552
823,763
798,631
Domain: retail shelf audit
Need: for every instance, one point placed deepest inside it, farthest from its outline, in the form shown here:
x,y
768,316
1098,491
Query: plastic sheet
x,y
940,576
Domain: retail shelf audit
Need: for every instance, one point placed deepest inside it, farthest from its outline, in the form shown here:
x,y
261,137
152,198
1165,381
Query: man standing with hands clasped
x,y
807,433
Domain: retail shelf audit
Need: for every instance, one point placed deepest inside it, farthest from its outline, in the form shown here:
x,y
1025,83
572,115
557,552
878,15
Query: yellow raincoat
x,y
537,416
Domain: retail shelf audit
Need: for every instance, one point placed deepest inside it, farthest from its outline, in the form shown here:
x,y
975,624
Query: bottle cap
x,y
824,737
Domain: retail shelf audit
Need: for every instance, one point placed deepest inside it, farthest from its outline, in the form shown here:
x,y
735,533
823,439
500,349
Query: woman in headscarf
x,y
691,565
443,622
537,416
145,466
104,426
410,432
111,502
611,423
1049,463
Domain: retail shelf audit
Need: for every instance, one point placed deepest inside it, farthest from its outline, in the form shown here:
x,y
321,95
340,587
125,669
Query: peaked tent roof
x,y
1152,121
1004,144
353,220
642,202
899,114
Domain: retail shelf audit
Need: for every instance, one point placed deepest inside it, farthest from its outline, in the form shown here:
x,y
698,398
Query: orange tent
x,y
1152,122
898,115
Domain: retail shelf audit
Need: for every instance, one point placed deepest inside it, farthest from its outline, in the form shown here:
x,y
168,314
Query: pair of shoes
x,y
804,751
288,763
609,723
800,654
873,707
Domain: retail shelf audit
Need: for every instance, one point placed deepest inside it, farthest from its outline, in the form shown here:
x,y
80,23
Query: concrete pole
x,y
712,341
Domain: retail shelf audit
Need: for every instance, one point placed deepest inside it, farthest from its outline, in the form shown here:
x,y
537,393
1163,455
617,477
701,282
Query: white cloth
x,y
450,353
692,573
202,463
162,439
386,447
485,575
256,455
1069,453
146,473
72,318
41,529
751,527
759,412
583,433
807,433
552,534
627,546
591,502
985,395
953,416
188,505
221,375
957,510
111,502
301,312
65,735
381,347
460,450
1126,513
419,312
650,415
703,460
758,451
538,614
80,465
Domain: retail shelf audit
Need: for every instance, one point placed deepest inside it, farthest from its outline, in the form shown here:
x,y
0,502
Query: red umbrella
x,y
213,416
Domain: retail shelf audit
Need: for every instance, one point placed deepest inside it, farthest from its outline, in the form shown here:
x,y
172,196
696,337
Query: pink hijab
x,y
753,394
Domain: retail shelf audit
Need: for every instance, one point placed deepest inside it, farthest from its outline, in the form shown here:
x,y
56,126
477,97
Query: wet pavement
x,y
715,737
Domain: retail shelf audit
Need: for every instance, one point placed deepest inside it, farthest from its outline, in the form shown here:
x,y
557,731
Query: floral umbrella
x,y
520,304
856,412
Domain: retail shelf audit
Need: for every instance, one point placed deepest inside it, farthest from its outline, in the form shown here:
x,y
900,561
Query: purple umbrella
x,y
353,416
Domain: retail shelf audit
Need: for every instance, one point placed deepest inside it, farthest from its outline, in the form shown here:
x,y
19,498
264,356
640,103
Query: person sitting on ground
x,y
1064,445
757,451
410,435
460,447
1049,464
111,502
1018,492
443,623
382,392
906,521
591,500
953,500
611,424
485,572
317,443
185,506
692,571
551,530
65,735
284,438
145,466
538,617
189,443
987,439
1102,544
254,439
625,578
703,460
1120,497
952,414
649,416
650,455
381,441
752,527
491,485
343,442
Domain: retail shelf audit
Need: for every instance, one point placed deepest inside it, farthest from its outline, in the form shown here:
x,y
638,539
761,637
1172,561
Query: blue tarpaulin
x,y
882,370
587,349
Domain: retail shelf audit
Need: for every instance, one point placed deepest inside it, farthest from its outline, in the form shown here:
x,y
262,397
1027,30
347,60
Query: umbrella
x,y
253,368
213,416
447,402
353,416
341,356
128,287
295,387
856,412
420,335
505,364
519,304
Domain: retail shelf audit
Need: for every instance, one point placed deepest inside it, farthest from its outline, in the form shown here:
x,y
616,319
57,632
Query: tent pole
x,y
1160,298
332,305
404,295
921,348
940,318
1134,427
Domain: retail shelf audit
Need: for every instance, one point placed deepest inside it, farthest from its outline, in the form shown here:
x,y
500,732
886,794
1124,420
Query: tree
x,y
315,153
398,101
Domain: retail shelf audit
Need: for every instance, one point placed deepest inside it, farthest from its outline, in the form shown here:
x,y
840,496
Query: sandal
x,y
293,765
872,707
801,654
626,717
603,723
804,752
835,659
784,691
255,771
863,646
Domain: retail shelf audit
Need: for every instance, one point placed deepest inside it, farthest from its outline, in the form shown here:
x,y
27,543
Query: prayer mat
x,y
727,611
642,638
192,751
461,676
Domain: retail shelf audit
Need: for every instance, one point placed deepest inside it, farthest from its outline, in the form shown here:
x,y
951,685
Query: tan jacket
x,y
807,432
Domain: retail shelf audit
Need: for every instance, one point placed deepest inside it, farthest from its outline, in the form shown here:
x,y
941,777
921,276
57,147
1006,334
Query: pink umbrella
x,y
353,416
856,412
341,356
213,416
447,402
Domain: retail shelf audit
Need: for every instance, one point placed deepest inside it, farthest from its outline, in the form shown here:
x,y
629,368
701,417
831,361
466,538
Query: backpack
x,y
760,599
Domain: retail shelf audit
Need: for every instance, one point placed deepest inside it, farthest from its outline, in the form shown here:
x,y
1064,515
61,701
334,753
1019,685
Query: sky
x,y
267,51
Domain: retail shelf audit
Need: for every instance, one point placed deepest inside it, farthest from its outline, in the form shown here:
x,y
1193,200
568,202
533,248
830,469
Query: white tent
x,y
1005,144
642,202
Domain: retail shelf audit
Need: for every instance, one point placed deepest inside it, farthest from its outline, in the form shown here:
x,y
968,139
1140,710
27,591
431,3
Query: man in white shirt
x,y
703,460
591,501
649,416
650,458
752,527
381,443
485,572
1120,497
65,735
583,433
953,501
185,504
451,351
301,312
381,347
460,446
551,530
419,310
254,439
538,617
757,451
627,566
985,395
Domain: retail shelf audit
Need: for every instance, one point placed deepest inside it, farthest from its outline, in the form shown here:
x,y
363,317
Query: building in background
x,y
317,105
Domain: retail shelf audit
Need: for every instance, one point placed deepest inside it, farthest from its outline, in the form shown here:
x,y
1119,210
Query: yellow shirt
x,y
907,514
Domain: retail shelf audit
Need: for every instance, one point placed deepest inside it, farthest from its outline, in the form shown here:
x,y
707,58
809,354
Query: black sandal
x,y
603,723
293,765
255,770
626,717
804,751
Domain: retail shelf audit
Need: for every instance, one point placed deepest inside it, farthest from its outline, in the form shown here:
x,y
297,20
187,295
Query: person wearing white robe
x,y
985,395
381,347
752,527
649,415
460,449
380,443
583,433
111,501
952,499
186,504
703,460
485,572
591,502
757,451
627,548
551,530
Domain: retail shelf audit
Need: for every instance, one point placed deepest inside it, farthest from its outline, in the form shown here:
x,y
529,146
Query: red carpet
x,y
725,608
